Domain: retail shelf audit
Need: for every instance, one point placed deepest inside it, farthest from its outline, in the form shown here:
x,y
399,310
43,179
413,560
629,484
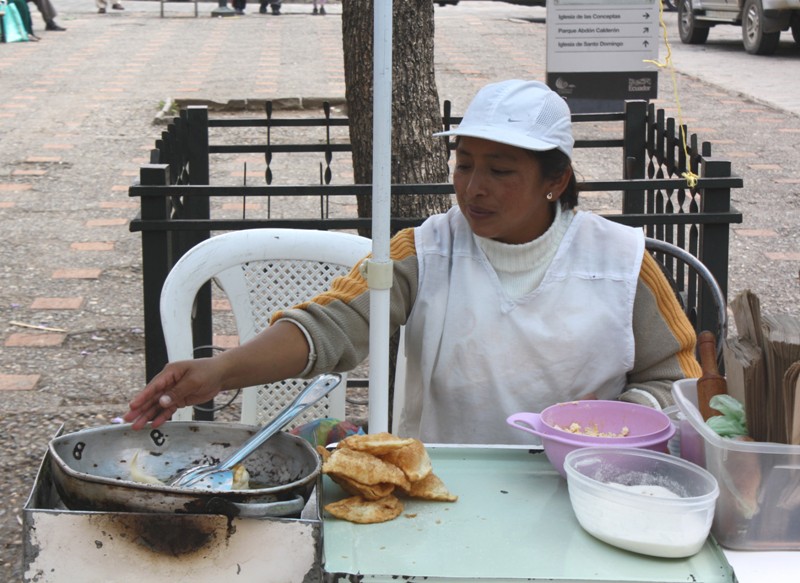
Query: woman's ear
x,y
558,185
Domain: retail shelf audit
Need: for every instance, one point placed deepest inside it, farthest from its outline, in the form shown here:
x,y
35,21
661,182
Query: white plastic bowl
x,y
642,501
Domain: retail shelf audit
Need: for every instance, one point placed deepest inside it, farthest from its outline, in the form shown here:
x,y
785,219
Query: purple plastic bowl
x,y
647,428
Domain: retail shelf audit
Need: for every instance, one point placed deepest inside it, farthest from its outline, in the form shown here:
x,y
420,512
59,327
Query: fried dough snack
x,y
366,491
374,443
356,509
373,467
431,487
364,467
412,459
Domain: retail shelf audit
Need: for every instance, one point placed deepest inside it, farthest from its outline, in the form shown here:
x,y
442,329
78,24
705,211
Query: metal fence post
x,y
634,153
197,117
199,207
713,249
157,260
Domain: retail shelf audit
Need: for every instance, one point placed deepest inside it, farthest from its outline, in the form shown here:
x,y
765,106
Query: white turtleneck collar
x,y
521,268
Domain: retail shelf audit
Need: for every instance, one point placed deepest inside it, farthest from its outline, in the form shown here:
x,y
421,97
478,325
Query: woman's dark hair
x,y
553,164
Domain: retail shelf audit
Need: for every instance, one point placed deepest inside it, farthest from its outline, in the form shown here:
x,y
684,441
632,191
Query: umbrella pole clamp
x,y
379,274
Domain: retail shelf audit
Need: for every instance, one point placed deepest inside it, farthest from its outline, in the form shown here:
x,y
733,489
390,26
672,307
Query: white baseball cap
x,y
526,114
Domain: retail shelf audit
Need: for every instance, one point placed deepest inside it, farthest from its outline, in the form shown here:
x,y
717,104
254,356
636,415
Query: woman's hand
x,y
277,353
181,383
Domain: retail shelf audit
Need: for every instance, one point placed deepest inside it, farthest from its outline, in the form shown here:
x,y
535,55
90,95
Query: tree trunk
x,y
417,157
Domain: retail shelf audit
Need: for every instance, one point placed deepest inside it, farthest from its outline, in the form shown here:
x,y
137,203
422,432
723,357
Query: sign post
x,y
596,52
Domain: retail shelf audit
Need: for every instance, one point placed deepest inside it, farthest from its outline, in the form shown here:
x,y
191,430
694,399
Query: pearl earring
x,y
549,196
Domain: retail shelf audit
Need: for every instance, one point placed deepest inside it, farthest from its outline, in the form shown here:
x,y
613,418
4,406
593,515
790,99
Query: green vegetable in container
x,y
732,421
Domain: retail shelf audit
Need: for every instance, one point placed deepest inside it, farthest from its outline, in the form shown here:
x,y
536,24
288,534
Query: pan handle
x,y
282,508
322,385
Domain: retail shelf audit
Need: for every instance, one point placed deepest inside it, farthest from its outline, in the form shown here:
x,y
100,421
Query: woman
x,y
512,301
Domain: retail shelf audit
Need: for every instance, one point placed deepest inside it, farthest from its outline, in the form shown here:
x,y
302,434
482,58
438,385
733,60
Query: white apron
x,y
476,356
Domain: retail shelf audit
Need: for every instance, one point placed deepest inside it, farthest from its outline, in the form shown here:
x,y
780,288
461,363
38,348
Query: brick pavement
x,y
78,120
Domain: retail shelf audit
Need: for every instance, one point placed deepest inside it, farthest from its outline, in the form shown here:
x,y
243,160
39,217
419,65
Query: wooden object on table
x,y
745,376
711,383
781,349
747,315
746,308
760,366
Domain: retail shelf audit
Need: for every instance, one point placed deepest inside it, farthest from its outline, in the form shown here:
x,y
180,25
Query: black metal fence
x,y
175,196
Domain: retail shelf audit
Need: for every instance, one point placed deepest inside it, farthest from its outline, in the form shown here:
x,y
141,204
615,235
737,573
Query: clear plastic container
x,y
642,501
759,503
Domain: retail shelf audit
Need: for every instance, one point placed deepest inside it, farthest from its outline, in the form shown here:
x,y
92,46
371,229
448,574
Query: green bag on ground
x,y
732,421
13,28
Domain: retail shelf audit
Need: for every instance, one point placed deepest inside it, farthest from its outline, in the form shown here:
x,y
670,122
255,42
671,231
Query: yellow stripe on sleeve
x,y
348,287
402,245
673,315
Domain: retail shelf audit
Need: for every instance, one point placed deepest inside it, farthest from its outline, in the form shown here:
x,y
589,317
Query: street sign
x,y
596,52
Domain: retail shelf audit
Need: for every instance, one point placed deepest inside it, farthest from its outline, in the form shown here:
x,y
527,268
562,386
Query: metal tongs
x,y
220,476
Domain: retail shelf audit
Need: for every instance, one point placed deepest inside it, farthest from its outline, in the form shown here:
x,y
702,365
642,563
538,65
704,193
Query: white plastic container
x,y
759,503
642,501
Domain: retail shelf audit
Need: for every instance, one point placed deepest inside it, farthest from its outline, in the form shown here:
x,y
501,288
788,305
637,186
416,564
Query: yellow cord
x,y
691,177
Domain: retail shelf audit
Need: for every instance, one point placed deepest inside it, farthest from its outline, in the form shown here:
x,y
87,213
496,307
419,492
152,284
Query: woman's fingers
x,y
154,412
162,382
164,416
140,417
146,406
140,409
180,384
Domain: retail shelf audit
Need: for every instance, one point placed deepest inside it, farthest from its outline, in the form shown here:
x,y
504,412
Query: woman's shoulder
x,y
441,232
597,245
446,220
603,226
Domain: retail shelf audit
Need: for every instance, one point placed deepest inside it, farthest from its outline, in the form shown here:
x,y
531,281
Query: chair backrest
x,y
685,271
260,271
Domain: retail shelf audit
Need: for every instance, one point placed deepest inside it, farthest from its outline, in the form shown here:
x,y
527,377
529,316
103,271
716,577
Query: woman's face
x,y
501,191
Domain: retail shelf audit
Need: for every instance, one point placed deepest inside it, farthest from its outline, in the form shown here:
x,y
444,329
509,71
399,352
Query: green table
x,y
513,522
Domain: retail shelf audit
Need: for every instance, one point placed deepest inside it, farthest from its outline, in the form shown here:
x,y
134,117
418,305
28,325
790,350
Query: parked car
x,y
762,21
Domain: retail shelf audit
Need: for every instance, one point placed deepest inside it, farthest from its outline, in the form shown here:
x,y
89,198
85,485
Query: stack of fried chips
x,y
373,468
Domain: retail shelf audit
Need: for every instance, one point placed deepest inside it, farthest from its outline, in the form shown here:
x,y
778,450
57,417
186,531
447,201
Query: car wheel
x,y
690,32
756,41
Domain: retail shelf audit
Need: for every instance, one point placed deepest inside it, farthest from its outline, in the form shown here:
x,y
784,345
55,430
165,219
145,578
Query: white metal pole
x,y
379,270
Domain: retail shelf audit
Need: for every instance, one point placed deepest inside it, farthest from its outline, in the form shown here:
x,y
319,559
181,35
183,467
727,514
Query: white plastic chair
x,y
260,271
